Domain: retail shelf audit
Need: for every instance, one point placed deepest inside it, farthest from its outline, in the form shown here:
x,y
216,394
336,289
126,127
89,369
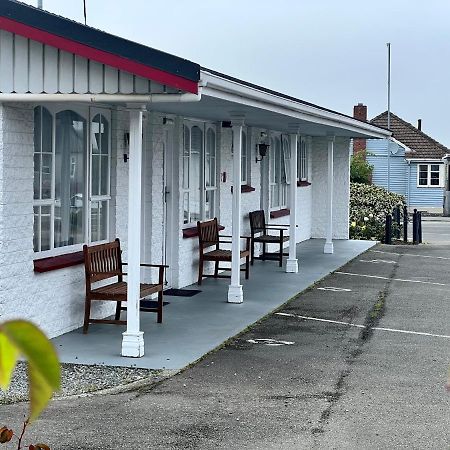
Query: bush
x,y
360,169
369,205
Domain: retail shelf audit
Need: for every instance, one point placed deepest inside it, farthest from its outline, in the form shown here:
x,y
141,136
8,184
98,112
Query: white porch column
x,y
235,294
328,247
133,338
292,263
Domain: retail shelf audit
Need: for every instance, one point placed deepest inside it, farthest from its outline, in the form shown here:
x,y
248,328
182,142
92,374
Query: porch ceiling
x,y
216,109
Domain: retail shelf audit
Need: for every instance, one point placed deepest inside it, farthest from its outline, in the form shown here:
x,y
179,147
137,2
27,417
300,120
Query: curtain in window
x,y
70,150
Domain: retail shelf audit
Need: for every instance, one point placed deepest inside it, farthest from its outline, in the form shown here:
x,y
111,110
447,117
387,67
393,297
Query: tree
x,y
360,169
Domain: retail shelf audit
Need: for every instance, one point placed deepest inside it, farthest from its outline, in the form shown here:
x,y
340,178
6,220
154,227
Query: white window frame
x,y
302,159
187,190
88,114
283,169
428,168
246,157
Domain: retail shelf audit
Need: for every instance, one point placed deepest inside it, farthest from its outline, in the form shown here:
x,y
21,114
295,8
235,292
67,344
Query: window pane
x,y
46,169
45,227
36,230
186,218
186,154
210,159
194,173
435,167
210,204
37,176
99,221
244,157
95,174
104,175
42,153
70,149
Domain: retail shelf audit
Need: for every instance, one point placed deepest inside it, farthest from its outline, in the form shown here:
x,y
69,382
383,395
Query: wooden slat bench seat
x,y
208,236
104,262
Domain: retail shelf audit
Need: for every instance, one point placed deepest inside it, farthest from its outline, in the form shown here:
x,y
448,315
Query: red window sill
x,y
245,188
58,262
280,213
192,232
303,183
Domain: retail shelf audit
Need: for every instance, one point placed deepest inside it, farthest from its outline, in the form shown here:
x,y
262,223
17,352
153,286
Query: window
x,y
245,163
302,159
279,168
430,175
199,172
64,172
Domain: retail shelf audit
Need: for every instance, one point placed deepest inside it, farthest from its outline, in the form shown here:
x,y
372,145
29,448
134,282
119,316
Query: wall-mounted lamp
x,y
168,121
262,147
126,144
262,150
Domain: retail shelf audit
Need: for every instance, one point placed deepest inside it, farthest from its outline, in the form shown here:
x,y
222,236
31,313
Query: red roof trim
x,y
98,55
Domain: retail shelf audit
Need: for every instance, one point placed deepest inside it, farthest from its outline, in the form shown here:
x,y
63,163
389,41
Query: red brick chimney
x,y
359,113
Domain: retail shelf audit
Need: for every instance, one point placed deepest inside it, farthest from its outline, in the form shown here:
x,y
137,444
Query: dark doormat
x,y
151,304
182,292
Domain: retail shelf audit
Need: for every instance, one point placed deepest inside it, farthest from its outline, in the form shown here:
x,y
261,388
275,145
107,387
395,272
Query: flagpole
x,y
389,113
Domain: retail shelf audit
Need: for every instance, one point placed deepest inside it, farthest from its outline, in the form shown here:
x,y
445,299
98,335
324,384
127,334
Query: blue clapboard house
x,y
410,164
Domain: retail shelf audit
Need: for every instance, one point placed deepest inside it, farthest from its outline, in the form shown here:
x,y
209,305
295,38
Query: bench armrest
x,y
148,265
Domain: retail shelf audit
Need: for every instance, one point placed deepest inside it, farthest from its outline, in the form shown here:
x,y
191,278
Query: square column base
x,y
292,266
235,294
328,247
133,344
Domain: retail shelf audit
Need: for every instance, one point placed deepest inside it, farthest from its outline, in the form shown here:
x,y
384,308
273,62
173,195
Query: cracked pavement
x,y
317,385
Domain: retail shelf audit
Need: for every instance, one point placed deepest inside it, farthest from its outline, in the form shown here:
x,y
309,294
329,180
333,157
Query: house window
x,y
279,170
199,172
302,159
245,163
429,175
64,172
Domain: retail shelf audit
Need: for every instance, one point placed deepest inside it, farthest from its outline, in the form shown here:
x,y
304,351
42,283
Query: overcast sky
x,y
329,52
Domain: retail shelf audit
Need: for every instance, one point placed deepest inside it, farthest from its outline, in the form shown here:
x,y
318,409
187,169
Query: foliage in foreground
x,y
360,169
22,338
369,205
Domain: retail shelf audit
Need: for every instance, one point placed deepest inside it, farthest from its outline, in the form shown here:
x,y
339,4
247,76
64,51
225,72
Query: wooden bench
x,y
104,262
260,233
208,236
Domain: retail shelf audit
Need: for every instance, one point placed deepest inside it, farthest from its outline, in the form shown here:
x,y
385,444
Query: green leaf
x,y
8,359
44,370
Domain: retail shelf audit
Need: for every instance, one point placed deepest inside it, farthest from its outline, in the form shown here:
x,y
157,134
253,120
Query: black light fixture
x,y
262,147
126,144
262,150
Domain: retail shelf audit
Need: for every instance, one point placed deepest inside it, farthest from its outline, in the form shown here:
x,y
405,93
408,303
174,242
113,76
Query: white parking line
x,y
410,254
320,320
349,324
333,289
270,342
392,279
377,261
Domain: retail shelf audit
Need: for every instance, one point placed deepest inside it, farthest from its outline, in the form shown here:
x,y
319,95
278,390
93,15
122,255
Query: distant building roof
x,y
422,146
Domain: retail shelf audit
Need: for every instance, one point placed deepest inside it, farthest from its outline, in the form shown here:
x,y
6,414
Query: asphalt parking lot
x,y
358,361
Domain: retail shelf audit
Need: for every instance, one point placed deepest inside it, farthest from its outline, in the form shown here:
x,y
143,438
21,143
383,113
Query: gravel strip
x,y
79,379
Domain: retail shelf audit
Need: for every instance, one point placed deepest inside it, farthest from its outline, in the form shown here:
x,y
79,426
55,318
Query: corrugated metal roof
x,y
422,145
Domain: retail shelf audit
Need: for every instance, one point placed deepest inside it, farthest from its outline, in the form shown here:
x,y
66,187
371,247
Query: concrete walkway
x,y
196,325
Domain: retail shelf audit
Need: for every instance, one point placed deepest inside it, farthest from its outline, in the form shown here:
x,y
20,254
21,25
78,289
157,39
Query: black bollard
x,y
405,223
388,230
397,221
415,228
419,226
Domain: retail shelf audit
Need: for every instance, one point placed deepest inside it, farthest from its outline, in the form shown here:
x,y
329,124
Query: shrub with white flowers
x,y
369,205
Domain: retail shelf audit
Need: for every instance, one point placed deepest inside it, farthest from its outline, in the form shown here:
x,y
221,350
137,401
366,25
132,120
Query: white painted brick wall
x,y
341,188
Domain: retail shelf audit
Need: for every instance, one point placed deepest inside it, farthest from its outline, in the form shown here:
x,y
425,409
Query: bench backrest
x,y
102,261
257,221
208,233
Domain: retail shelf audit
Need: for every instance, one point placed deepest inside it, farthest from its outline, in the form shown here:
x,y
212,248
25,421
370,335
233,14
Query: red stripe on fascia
x,y
98,55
